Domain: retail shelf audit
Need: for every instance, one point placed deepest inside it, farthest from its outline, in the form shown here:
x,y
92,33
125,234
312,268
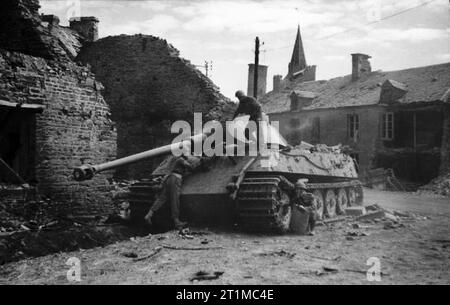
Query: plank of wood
x,y
11,174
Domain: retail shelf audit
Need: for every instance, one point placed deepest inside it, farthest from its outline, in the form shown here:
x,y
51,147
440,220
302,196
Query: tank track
x,y
262,205
141,196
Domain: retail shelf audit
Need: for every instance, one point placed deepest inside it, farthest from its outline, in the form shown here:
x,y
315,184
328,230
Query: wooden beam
x,y
36,107
10,173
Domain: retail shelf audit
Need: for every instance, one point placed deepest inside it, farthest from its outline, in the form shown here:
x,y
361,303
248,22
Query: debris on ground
x,y
392,225
153,253
355,211
206,276
326,270
190,248
185,233
439,186
371,216
130,254
281,253
356,234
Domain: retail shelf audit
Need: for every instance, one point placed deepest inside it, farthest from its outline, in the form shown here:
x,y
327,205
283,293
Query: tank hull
x,y
207,196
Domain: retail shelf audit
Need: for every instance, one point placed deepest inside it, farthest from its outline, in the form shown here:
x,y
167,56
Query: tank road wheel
x,y
351,196
330,204
342,201
284,212
319,201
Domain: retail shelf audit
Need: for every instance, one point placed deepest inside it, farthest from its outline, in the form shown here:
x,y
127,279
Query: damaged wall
x,y
148,87
23,30
74,127
37,68
445,149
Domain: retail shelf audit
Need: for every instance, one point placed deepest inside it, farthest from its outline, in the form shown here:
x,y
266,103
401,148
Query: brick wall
x,y
74,127
148,87
445,148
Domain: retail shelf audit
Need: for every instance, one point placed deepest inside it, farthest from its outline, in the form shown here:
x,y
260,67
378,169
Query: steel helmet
x,y
301,184
239,93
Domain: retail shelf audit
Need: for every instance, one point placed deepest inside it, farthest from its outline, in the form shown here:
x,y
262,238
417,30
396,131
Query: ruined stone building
x,y
56,114
148,87
53,116
389,119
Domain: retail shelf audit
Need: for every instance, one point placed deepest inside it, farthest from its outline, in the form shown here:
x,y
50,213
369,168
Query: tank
x,y
254,192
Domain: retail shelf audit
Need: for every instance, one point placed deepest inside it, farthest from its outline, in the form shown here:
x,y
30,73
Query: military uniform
x,y
249,106
171,190
308,202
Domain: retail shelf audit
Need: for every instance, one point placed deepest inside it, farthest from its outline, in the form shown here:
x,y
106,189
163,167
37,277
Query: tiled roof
x,y
423,84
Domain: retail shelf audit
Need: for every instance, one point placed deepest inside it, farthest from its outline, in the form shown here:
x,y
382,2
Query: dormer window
x,y
301,99
392,91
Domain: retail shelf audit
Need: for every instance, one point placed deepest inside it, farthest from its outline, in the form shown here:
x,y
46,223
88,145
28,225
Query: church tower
x,y
297,67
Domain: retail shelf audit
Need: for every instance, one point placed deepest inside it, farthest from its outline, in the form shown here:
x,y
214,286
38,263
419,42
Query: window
x,y
387,126
315,130
353,126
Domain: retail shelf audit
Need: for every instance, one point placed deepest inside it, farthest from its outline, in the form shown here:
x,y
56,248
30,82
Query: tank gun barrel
x,y
87,171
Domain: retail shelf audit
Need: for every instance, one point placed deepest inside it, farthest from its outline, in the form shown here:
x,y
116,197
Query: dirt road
x,y
416,252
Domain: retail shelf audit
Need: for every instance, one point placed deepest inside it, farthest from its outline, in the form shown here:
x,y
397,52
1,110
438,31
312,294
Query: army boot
x,y
179,224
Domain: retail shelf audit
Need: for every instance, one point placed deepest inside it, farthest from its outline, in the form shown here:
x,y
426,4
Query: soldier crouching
x,y
307,202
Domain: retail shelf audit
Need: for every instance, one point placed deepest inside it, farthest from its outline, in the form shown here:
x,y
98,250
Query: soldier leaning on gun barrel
x,y
171,188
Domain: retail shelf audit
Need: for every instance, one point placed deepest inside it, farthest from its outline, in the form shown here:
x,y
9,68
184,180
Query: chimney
x,y
277,82
360,65
50,19
87,27
262,80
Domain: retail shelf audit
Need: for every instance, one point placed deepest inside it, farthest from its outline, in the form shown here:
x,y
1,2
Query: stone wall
x,y
74,127
331,127
148,87
445,148
333,130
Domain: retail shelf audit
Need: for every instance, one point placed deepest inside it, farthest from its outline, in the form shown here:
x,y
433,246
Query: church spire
x,y
298,60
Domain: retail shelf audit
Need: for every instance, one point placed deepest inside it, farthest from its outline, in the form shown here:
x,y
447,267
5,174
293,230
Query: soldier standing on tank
x,y
249,106
307,202
171,190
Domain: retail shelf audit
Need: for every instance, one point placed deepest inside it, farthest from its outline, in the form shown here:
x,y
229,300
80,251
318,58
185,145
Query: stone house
x,y
53,116
389,119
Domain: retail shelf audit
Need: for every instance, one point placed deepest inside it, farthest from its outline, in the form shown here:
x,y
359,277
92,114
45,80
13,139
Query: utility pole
x,y
207,66
255,80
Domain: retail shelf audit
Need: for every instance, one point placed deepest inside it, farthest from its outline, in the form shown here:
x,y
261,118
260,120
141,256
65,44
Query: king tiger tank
x,y
252,190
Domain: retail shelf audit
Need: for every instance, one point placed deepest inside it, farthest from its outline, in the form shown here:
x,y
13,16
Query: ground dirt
x,y
414,252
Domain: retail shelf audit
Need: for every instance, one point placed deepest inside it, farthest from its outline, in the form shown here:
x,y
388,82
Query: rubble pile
x,y
34,225
361,218
438,186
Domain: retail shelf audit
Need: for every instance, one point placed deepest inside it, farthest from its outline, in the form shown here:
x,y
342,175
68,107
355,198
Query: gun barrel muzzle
x,y
83,172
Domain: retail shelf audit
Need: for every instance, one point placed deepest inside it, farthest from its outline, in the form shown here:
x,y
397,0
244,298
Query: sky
x,y
223,32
